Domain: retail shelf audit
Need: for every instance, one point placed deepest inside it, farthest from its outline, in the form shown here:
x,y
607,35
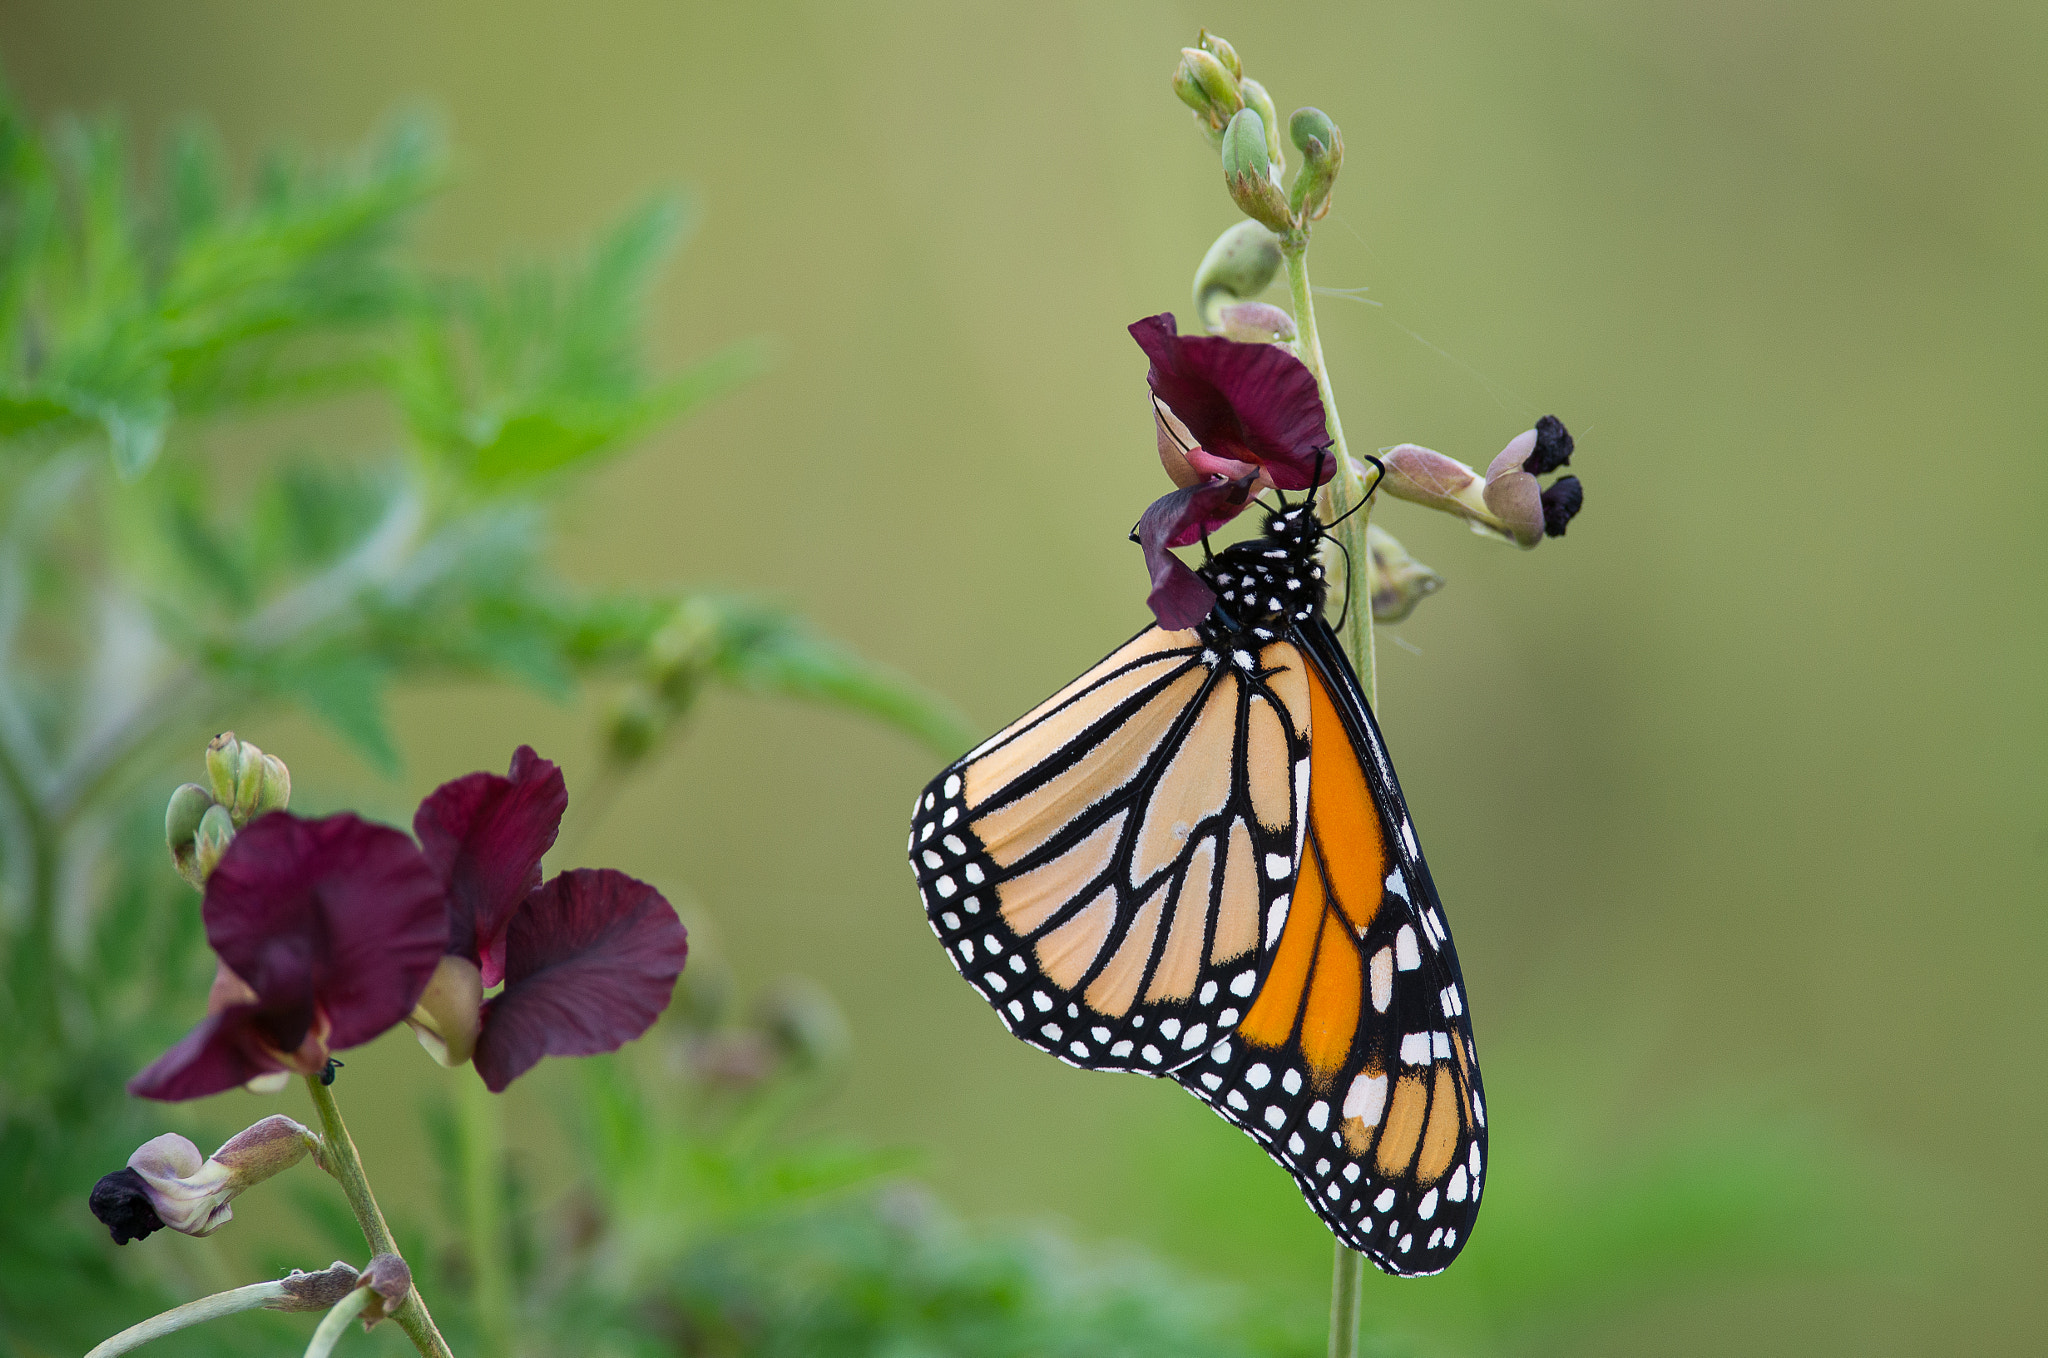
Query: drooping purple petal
x,y
485,836
1253,403
227,1049
1180,598
351,908
590,962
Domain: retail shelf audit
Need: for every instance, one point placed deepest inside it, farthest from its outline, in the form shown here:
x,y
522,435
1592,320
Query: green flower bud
x,y
1223,52
1247,173
223,766
1322,151
188,805
1256,98
1204,85
1239,266
245,780
216,831
1398,581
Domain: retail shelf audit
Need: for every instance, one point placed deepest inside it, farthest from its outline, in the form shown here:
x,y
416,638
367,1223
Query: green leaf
x,y
766,651
346,692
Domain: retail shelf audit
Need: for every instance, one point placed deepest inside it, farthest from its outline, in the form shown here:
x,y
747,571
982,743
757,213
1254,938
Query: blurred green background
x,y
1737,795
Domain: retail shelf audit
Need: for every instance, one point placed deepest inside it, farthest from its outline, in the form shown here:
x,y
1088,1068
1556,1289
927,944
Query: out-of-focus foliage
x,y
151,584
708,1223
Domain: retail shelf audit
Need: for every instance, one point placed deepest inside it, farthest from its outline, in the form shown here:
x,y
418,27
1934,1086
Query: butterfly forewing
x,y
1354,1065
1111,871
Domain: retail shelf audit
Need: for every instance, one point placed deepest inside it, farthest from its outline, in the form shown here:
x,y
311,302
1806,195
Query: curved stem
x,y
192,1313
1346,488
335,1323
346,1166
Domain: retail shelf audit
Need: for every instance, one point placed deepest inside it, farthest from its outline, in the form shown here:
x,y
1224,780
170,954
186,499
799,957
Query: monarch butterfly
x,y
1194,861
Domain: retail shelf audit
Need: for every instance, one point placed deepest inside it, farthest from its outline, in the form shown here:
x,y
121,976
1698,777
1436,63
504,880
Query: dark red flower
x,y
485,836
1255,420
1179,597
1250,407
588,960
326,930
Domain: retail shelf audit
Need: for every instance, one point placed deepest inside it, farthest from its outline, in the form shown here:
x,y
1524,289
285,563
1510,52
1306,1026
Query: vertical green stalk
x,y
1345,490
343,1162
483,1192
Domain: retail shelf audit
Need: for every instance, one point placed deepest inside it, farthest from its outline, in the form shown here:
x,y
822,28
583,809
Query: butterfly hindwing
x,y
1110,871
1354,1065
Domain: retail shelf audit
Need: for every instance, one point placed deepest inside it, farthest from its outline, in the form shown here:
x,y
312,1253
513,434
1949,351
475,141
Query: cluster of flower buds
x,y
678,659
168,1183
242,782
1509,502
1237,115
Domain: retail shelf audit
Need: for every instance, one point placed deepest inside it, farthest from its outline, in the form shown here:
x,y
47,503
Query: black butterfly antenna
x,y
1380,474
1345,611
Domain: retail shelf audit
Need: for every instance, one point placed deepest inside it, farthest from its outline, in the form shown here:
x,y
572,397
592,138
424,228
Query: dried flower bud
x,y
1322,150
315,1291
450,1011
167,1181
1527,512
1239,266
1397,580
1247,173
388,1280
1561,502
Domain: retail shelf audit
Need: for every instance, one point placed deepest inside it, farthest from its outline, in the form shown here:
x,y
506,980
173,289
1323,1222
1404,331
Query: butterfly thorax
x,y
1268,584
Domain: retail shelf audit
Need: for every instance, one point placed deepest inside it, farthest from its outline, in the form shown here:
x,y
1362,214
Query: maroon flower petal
x,y
590,963
1241,402
348,909
226,1050
1180,598
485,836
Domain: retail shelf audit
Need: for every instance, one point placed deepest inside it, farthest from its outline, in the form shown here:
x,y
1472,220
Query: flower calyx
x,y
167,1184
388,1280
1249,174
1322,150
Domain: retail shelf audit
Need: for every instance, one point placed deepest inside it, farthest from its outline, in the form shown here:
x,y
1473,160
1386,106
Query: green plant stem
x,y
1345,489
1346,1282
231,1302
483,1189
346,1166
335,1323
